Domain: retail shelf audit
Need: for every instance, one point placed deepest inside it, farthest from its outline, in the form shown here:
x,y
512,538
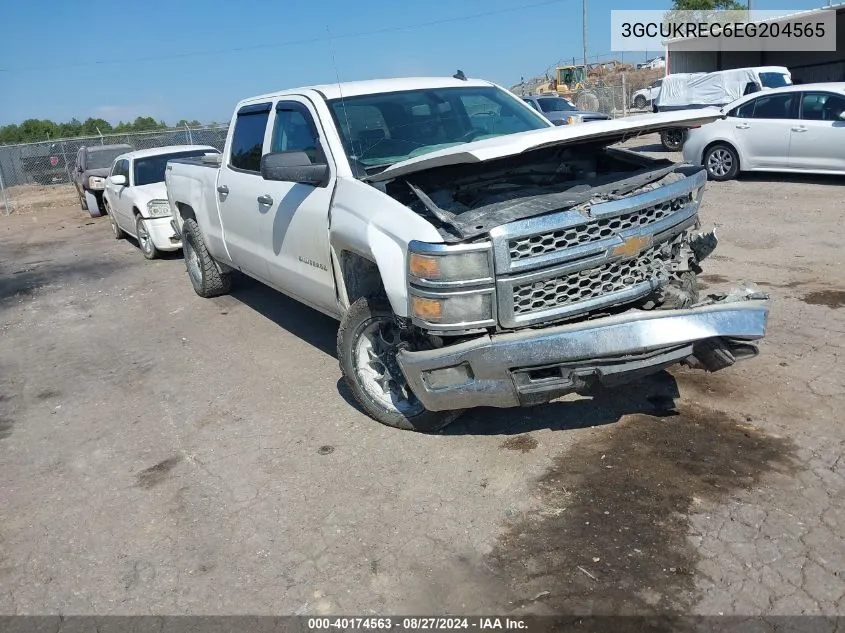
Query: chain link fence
x,y
27,168
611,93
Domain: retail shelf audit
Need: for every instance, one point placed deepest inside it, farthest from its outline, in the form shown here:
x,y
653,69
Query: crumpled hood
x,y
608,132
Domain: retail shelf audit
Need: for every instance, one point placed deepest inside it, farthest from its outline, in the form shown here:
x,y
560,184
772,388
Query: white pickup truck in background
x,y
474,253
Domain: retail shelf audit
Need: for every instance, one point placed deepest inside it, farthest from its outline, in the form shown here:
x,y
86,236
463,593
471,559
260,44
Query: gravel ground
x,y
161,453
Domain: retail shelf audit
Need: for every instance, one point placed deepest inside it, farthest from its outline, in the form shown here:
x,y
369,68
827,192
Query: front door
x,y
296,224
764,135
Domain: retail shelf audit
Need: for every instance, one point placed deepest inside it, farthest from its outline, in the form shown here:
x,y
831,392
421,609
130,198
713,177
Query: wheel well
x,y
709,146
361,277
186,211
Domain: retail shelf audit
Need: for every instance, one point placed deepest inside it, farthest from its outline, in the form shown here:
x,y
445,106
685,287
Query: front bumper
x,y
536,365
162,234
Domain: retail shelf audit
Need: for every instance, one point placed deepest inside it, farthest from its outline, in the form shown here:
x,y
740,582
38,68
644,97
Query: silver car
x,y
798,129
562,111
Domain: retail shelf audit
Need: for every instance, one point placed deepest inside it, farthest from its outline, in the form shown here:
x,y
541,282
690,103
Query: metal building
x,y
806,67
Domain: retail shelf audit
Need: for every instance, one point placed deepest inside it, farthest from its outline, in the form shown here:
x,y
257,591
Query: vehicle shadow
x,y
799,179
311,326
652,395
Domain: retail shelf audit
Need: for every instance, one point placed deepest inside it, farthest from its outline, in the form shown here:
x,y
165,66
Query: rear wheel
x,y
367,343
205,275
145,240
672,140
721,162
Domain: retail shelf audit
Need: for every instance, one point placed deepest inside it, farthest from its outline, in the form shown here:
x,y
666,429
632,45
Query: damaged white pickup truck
x,y
475,254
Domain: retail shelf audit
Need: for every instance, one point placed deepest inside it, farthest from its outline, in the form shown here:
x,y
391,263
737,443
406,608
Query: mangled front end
x,y
584,273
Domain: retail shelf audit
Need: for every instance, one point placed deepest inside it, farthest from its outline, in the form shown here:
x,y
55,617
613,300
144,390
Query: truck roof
x,y
372,86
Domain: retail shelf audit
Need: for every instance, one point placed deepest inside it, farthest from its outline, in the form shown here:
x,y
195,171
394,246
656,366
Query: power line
x,y
310,40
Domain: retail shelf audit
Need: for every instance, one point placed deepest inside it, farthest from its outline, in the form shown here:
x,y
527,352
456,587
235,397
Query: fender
x,y
368,222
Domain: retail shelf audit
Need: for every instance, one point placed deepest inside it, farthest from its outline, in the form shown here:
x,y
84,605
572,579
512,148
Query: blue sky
x,y
59,60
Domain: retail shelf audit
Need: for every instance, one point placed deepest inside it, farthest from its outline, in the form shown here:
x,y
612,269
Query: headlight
x,y
469,266
158,208
95,182
572,119
458,308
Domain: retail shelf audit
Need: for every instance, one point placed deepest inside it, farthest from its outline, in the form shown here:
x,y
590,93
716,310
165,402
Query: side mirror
x,y
118,181
294,167
841,116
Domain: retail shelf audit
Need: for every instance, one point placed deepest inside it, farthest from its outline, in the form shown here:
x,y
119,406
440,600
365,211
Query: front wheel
x,y
639,102
721,162
672,140
206,276
367,343
145,240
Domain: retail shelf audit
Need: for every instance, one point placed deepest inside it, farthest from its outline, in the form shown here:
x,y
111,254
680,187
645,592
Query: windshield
x,y
151,169
381,129
556,105
774,80
101,158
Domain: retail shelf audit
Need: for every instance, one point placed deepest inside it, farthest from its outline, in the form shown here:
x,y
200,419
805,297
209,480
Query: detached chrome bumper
x,y
535,366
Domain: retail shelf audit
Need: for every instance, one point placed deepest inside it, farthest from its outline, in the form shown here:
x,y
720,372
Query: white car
x,y
792,129
136,196
642,98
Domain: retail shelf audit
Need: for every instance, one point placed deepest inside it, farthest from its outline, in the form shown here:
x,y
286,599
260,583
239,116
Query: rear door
x,y
239,185
818,137
295,238
763,128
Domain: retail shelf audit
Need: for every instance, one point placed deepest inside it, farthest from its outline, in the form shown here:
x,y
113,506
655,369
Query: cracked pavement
x,y
160,453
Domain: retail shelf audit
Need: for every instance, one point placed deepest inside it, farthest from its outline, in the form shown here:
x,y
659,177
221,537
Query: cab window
x,y
294,131
774,106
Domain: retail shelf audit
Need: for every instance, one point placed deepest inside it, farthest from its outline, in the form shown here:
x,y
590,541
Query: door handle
x,y
743,126
223,190
265,199
799,129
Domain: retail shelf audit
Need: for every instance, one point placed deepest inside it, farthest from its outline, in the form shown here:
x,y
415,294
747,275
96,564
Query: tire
x,y
94,202
145,240
205,275
639,102
721,162
368,325
672,140
82,201
118,232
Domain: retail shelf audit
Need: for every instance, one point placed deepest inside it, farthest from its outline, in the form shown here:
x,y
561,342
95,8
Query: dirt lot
x,y
161,453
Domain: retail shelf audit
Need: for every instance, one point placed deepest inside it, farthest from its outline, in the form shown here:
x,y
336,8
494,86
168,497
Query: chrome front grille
x,y
593,231
566,264
599,282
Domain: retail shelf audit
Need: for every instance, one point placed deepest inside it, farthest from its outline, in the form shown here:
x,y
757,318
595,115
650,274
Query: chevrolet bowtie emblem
x,y
632,245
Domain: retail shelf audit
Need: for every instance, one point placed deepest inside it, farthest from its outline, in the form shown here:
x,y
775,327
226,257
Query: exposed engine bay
x,y
577,232
467,200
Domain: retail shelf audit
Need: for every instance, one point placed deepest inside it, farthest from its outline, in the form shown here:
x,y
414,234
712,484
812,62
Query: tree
x,y
707,5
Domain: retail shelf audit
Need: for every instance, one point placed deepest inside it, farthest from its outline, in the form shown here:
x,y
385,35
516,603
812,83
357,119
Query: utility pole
x,y
584,33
